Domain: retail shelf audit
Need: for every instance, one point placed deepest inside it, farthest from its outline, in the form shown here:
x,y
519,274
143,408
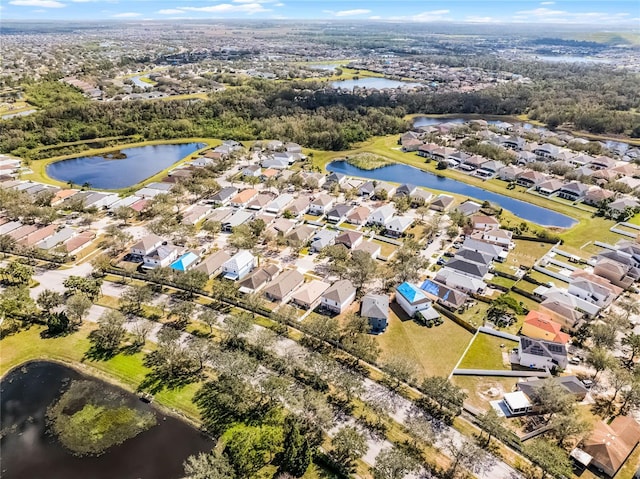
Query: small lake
x,y
105,172
326,67
29,452
408,174
373,82
137,81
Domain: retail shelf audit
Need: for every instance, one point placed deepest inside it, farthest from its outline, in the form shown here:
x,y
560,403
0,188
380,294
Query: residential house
x,y
298,207
610,445
301,234
412,299
22,231
615,272
573,301
549,187
562,312
279,204
540,354
243,198
526,157
546,151
321,204
411,144
510,173
76,243
597,196
339,296
469,207
338,213
602,163
538,325
461,282
384,190
484,223
496,236
281,287
443,295
496,252
334,179
195,213
591,291
359,215
573,191
513,142
367,188
476,257
397,226
467,268
382,215
517,403
212,265
622,206
321,239
369,247
569,384
282,226
309,295
224,196
38,235
530,178
252,171
473,162
185,262
350,239
442,203
406,189
9,227
375,307
161,257
146,245
239,265
238,218
260,201
58,237
421,197
258,278
489,169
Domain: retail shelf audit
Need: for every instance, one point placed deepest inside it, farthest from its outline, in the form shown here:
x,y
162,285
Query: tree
x,y
551,459
183,311
134,298
90,287
116,240
16,274
551,399
442,398
394,464
200,350
322,328
618,378
407,262
236,325
632,342
467,456
254,302
49,300
599,359
140,330
110,332
348,444
399,369
242,237
191,281
361,269
124,213
101,264
212,465
603,335
250,448
568,425
296,450
492,424
629,306
209,317
171,361
77,306
212,228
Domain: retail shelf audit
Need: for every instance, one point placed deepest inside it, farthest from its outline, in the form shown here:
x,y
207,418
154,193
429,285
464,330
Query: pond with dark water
x,y
408,174
29,451
120,168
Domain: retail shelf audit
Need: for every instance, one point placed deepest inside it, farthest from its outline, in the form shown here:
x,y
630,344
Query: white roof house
x,y
239,265
382,215
279,204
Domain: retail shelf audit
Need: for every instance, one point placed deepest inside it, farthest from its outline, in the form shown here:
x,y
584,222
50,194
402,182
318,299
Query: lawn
x,y
476,314
387,249
435,351
486,353
478,389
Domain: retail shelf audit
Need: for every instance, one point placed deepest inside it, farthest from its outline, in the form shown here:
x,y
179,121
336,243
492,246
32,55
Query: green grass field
x,y
486,353
434,351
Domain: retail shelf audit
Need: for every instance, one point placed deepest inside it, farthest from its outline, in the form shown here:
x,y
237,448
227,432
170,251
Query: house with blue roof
x,y
185,262
412,299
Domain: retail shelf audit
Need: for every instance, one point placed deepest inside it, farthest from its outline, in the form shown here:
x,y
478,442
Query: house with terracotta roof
x,y
610,445
350,239
359,215
243,198
484,223
538,325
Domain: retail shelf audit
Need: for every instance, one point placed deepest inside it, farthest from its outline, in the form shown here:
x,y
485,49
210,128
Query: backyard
x,y
486,353
434,351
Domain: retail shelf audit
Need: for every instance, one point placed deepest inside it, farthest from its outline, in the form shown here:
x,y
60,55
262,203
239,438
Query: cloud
x,y
547,15
171,11
547,3
352,13
127,15
478,19
249,8
37,3
375,17
428,16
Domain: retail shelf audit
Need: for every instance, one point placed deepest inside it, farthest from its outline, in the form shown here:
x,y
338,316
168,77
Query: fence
x,y
506,373
499,334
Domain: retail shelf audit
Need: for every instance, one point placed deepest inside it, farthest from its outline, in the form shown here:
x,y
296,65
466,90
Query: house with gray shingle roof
x,y
375,307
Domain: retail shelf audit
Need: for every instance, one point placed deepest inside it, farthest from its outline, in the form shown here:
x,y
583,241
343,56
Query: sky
x,y
596,12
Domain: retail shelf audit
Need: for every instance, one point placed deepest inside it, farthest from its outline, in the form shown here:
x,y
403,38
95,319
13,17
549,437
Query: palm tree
x,y
629,306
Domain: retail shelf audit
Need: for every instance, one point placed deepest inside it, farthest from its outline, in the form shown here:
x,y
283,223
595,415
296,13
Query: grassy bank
x,y
367,161
39,167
